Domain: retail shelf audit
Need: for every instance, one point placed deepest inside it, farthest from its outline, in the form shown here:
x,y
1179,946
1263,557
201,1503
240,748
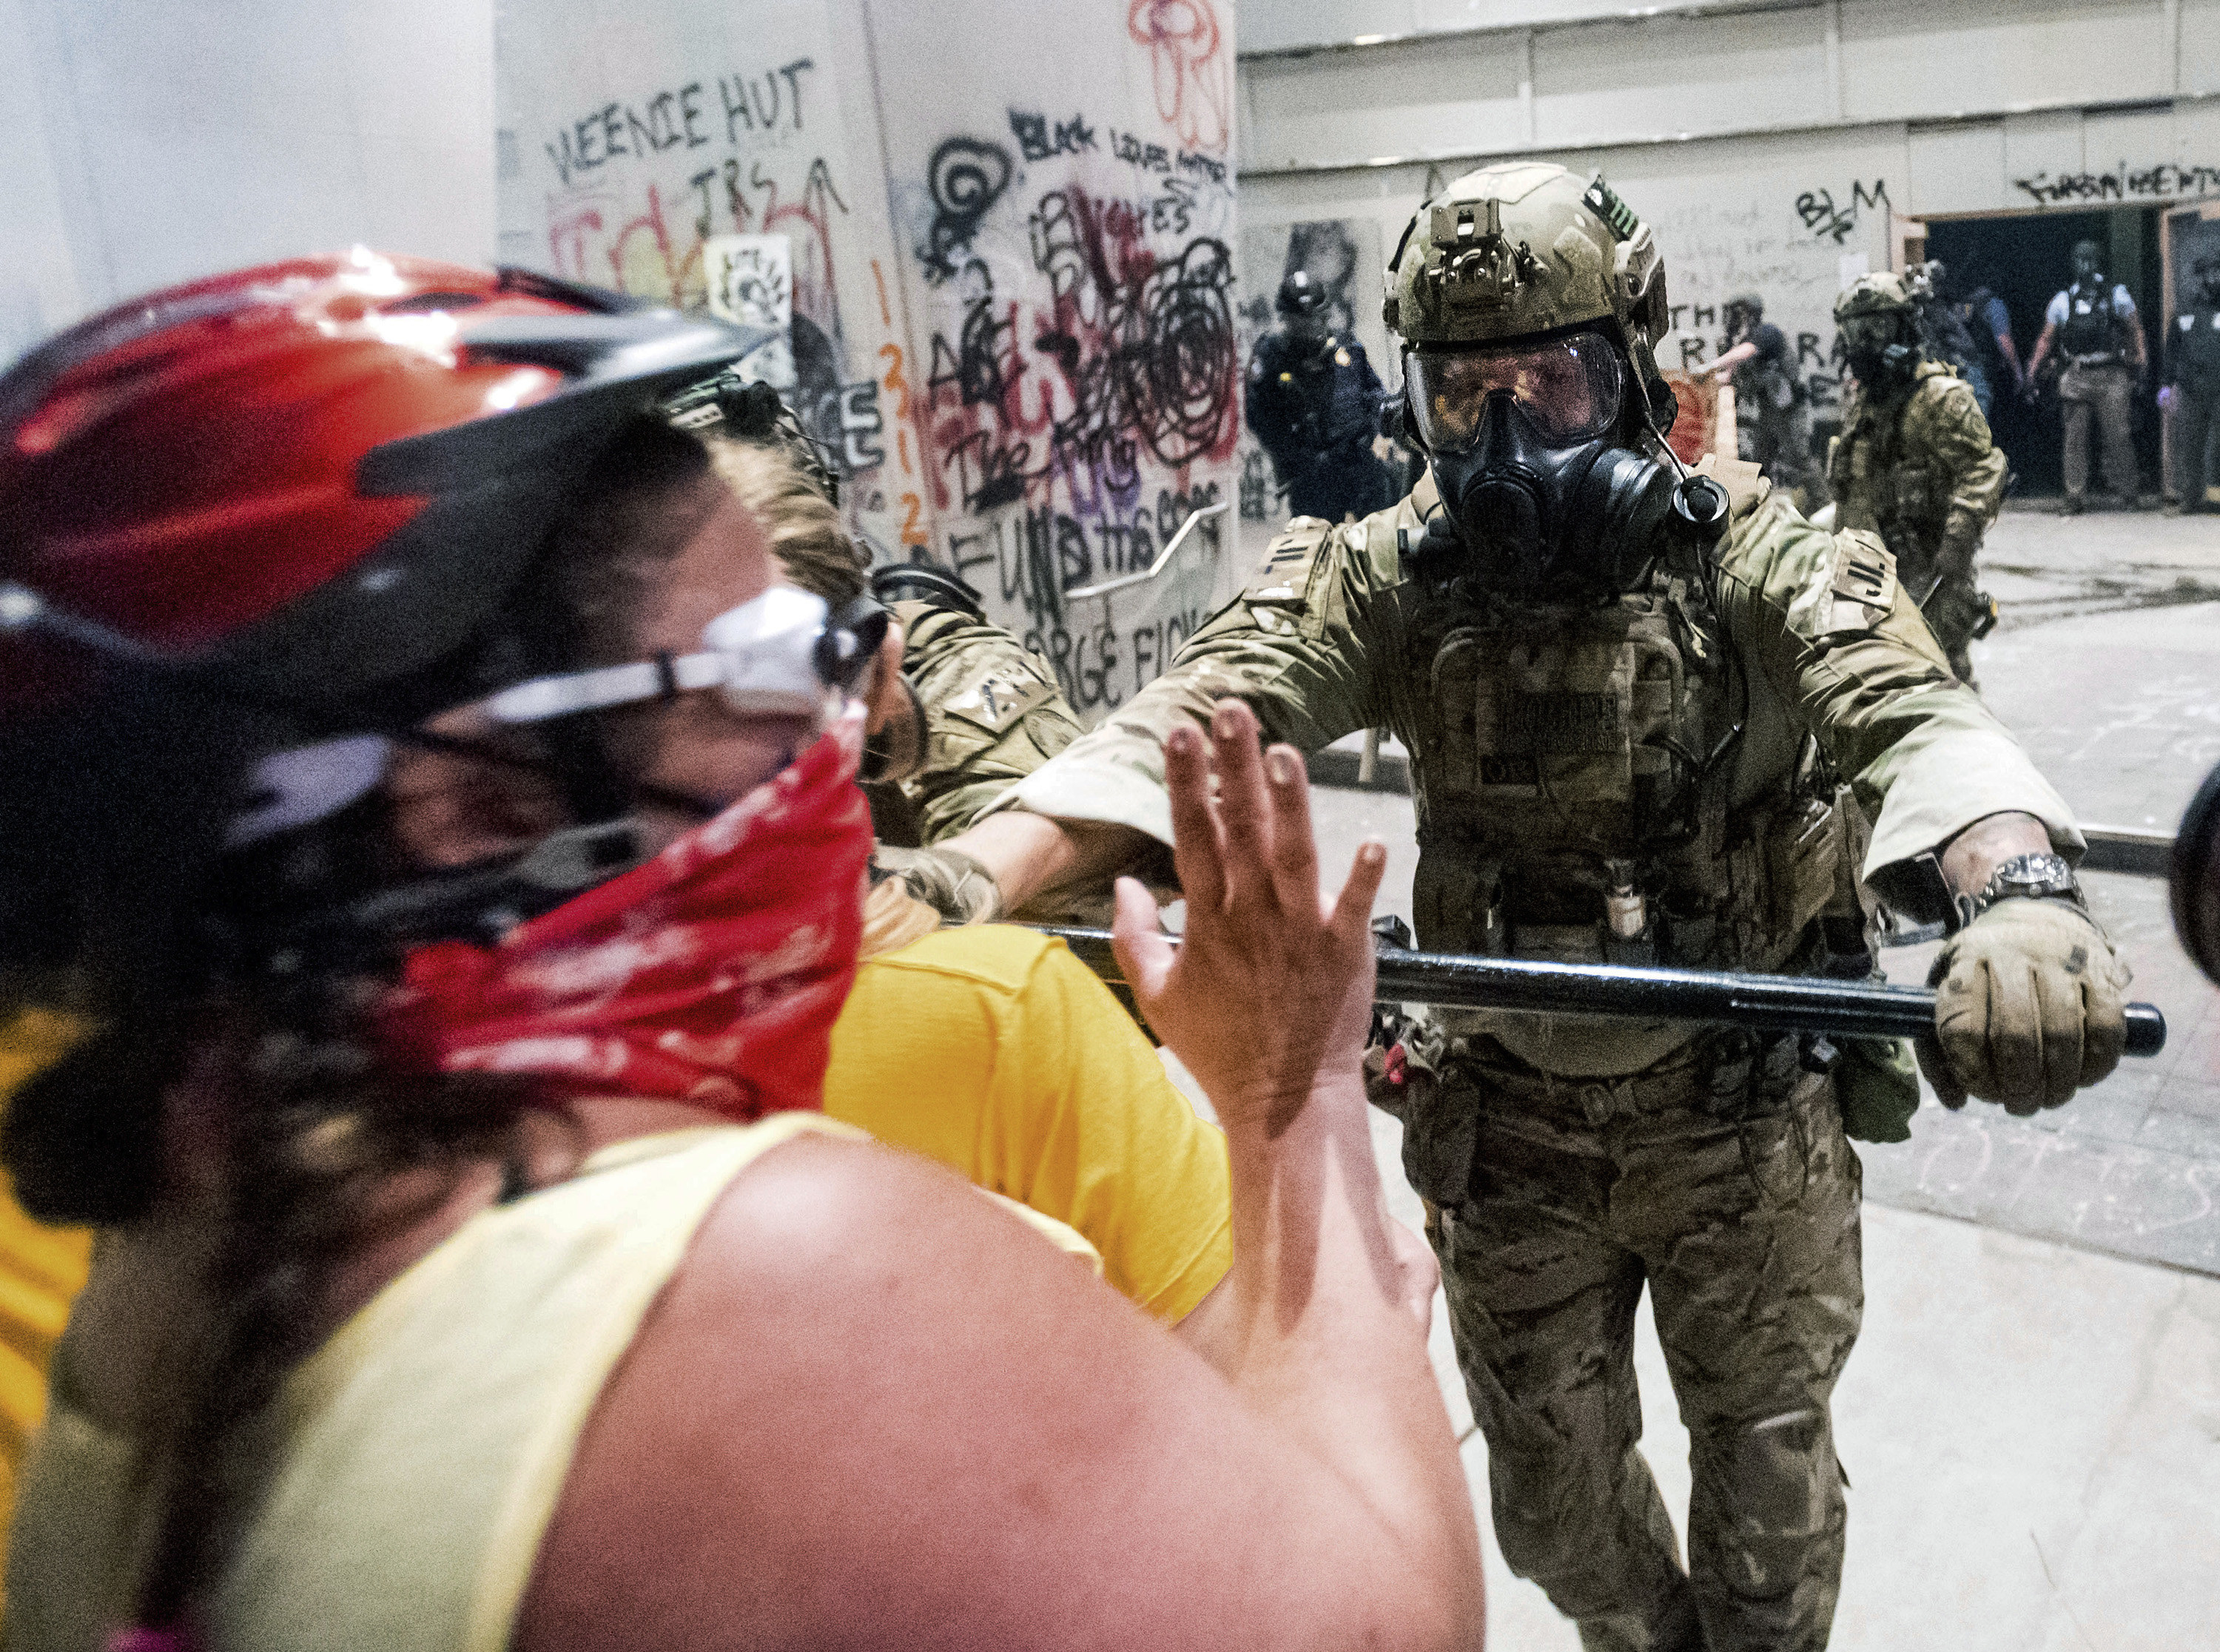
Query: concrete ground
x,y
2031,1420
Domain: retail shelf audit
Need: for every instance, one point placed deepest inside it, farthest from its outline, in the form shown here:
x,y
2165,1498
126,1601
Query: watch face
x,y
2035,874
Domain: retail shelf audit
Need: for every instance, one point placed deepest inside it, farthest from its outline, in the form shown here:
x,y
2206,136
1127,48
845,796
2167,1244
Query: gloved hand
x,y
2165,397
2028,1007
950,882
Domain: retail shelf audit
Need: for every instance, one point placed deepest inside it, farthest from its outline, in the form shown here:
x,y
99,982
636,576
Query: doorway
x,y
2025,259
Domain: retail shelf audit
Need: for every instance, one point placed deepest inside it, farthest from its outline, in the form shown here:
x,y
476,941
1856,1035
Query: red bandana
x,y
712,974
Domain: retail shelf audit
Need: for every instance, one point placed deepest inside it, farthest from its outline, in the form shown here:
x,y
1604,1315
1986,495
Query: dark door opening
x,y
2025,261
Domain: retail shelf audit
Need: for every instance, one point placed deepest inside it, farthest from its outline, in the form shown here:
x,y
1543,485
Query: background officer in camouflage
x,y
980,711
960,709
1914,462
1627,737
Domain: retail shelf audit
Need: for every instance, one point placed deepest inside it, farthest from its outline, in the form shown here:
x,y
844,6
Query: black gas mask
x,y
1879,348
2208,281
1542,501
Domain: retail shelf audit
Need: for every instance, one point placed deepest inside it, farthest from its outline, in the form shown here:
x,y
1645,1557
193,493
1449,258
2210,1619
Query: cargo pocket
x,y
1777,1154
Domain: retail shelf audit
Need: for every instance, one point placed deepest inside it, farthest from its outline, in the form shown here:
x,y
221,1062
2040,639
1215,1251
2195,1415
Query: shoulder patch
x,y
1284,575
1863,586
998,697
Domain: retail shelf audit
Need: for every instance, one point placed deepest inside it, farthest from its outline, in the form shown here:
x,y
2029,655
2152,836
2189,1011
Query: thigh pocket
x,y
1440,1123
1776,1152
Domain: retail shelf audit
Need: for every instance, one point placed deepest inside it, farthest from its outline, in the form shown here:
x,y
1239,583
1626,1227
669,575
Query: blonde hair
x,y
807,534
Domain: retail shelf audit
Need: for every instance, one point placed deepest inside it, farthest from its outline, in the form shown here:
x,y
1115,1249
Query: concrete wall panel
x,y
1398,101
2200,45
1620,81
1912,58
1957,168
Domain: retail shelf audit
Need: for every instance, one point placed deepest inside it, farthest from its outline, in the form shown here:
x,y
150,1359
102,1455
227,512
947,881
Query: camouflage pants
x,y
1558,1202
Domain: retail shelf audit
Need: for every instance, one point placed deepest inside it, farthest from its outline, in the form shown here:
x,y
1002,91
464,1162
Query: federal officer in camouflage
x,y
1914,462
1645,715
981,710
959,708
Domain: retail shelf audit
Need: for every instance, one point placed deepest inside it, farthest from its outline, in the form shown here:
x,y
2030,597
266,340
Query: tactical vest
x,y
2197,350
1905,493
2092,327
1575,790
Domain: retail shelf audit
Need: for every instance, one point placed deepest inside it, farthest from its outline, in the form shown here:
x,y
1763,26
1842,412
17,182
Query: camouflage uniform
x,y
1918,468
1573,1160
993,714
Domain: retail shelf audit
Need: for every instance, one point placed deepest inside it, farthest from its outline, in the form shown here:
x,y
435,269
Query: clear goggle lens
x,y
1570,388
782,654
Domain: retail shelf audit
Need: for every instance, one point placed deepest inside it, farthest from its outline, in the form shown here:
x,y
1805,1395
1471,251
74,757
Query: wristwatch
x,y
2036,878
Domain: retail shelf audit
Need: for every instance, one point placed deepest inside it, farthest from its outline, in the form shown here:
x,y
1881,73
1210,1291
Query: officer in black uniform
x,y
2191,396
1314,402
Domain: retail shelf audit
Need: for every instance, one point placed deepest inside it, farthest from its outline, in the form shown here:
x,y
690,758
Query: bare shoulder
x,y
848,1321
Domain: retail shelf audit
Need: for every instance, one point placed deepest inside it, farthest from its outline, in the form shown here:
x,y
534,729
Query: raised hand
x,y
1271,992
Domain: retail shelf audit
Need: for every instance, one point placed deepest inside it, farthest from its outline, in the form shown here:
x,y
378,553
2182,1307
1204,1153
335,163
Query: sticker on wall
x,y
750,281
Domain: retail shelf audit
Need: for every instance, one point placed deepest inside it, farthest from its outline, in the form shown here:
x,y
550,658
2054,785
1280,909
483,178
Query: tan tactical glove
x,y
2028,1007
950,882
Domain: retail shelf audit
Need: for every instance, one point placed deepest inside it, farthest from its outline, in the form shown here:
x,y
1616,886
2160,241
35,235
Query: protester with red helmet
x,y
407,758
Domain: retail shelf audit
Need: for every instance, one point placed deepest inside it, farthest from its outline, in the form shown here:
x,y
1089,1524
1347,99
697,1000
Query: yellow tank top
x,y
417,1456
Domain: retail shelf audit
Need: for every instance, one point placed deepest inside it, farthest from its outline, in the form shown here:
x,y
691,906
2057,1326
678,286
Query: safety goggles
x,y
782,654
1568,388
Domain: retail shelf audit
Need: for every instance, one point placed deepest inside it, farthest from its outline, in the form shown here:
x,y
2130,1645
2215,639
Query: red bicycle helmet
x,y
319,476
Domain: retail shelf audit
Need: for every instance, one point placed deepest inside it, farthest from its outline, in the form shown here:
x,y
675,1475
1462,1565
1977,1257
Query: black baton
x,y
1855,1009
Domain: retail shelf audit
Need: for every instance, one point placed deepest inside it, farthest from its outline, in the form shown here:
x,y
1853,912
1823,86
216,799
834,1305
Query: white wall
x,y
152,140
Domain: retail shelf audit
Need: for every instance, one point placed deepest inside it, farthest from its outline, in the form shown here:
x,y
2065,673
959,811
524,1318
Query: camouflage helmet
x,y
1881,293
1519,248
1525,247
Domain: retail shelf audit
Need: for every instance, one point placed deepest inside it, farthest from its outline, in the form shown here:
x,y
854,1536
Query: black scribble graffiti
x,y
1059,255
1155,369
1187,354
1819,213
967,176
1040,139
973,367
2124,183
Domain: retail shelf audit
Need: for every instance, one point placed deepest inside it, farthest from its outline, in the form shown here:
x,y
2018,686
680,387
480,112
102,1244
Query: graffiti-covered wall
x,y
999,241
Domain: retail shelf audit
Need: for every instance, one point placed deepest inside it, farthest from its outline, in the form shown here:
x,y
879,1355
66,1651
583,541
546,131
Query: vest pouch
x,y
1877,1087
1558,942
1915,493
1685,938
1457,903
1522,716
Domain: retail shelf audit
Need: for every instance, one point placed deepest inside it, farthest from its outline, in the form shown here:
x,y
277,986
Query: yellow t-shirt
x,y
993,1050
41,1269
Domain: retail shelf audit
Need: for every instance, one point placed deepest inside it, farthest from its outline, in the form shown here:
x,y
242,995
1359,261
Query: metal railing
x,y
1164,557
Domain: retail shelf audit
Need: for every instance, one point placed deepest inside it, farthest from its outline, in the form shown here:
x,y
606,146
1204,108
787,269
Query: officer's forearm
x,y
1031,855
1971,858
